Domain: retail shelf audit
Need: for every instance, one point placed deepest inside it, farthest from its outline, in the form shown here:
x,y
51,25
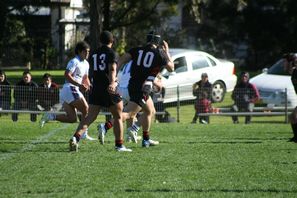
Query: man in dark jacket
x,y
25,96
244,95
5,91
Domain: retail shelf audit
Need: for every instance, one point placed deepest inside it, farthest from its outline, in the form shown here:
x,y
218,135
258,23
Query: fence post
x,y
286,105
178,104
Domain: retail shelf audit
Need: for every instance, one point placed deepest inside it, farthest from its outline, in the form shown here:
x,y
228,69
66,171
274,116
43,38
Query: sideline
x,y
32,144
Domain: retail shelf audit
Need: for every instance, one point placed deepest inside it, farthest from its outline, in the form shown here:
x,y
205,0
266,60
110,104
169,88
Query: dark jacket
x,y
5,91
25,91
245,93
198,88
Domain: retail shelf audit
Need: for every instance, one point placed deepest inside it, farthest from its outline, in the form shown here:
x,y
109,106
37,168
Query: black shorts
x,y
137,97
102,98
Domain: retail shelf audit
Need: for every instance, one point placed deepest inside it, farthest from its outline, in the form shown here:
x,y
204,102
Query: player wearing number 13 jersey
x,y
103,92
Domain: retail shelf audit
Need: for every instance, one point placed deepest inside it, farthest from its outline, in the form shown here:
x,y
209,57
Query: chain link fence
x,y
15,100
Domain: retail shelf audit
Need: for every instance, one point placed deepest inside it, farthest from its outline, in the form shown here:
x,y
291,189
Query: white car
x,y
273,84
189,65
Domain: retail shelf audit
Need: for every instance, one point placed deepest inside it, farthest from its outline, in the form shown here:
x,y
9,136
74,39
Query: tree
x,y
129,20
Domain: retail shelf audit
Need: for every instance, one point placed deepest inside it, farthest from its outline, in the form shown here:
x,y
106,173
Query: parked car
x,y
273,83
189,65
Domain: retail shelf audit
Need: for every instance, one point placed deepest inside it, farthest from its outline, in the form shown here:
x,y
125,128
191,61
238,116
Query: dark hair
x,y
47,75
153,37
244,73
2,72
106,37
26,72
290,57
80,46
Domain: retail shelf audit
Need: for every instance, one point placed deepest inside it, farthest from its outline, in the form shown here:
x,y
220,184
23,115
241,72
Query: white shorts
x,y
70,93
123,91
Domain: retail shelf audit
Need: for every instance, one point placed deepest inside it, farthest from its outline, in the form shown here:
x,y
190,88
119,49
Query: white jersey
x,y
78,68
124,82
70,92
125,75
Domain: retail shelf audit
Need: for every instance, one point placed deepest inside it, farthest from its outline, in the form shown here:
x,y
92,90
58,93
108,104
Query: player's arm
x,y
112,77
69,78
170,65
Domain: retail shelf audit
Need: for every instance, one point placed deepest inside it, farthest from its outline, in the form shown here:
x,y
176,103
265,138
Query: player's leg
x,y
118,129
148,114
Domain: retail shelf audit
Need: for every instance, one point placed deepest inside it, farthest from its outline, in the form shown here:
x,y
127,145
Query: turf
x,y
216,160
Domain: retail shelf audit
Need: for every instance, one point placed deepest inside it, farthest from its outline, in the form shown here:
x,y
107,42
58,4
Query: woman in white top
x,y
76,82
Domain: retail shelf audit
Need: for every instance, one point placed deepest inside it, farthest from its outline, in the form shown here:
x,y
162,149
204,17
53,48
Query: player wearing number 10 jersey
x,y
147,62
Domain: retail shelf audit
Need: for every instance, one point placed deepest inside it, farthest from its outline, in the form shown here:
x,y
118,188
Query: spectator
x,y
290,65
203,105
25,96
244,95
48,92
5,92
202,85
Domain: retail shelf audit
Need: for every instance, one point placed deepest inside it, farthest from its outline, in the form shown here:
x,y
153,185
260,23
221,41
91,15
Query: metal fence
x,y
35,100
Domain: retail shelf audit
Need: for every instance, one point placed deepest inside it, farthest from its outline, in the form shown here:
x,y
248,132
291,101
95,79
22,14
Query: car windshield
x,y
278,68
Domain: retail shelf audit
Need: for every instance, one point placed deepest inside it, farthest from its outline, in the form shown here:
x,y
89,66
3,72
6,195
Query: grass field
x,y
216,160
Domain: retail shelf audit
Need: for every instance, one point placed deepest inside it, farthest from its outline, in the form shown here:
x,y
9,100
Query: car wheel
x,y
218,91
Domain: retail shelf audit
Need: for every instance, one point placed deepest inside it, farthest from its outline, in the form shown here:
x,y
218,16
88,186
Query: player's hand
x,y
147,87
112,87
165,46
83,87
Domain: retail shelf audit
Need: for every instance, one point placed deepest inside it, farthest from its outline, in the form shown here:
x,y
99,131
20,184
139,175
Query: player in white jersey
x,y
124,82
76,82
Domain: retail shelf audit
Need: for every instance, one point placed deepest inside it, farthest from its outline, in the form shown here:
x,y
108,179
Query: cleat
x,y
101,133
85,136
148,143
123,149
89,137
73,145
44,119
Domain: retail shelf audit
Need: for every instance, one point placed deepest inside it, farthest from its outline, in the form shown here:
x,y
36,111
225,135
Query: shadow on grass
x,y
213,190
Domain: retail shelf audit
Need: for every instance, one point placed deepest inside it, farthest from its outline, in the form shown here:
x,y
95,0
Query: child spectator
x,y
203,105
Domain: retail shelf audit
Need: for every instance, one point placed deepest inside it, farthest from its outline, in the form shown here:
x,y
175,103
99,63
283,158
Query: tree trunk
x,y
96,23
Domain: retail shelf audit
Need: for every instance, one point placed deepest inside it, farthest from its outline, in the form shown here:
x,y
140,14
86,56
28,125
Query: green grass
x,y
216,160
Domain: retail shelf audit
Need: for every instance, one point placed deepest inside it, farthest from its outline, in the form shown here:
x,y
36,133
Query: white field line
x,y
32,144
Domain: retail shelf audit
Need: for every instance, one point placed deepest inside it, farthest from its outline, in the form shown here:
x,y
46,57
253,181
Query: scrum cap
x,y
153,37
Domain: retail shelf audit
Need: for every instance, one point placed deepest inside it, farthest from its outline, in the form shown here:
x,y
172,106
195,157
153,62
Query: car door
x,y
178,78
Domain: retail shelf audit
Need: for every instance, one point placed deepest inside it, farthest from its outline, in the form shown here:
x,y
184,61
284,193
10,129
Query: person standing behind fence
x,y
48,92
245,95
290,64
202,85
25,96
5,92
203,105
